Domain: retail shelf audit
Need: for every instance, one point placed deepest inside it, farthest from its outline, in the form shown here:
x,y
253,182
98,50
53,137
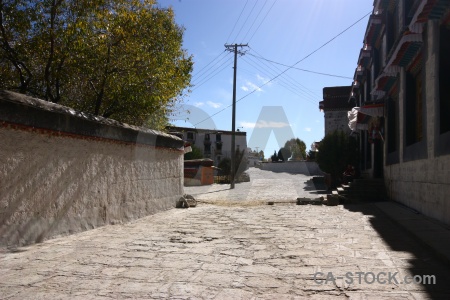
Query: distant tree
x,y
261,154
297,147
274,157
196,153
284,154
336,151
311,155
240,164
224,166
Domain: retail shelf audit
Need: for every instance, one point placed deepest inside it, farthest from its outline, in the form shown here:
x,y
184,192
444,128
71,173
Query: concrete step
x,y
345,186
362,190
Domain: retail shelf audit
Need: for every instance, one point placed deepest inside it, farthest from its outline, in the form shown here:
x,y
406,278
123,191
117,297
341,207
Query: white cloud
x,y
248,124
308,129
271,124
264,124
199,104
250,87
214,104
253,86
263,80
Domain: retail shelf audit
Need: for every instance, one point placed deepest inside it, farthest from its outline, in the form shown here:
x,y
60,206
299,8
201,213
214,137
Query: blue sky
x,y
278,32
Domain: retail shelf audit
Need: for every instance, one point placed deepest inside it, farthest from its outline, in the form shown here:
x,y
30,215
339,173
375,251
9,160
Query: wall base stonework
x,y
55,181
423,185
309,168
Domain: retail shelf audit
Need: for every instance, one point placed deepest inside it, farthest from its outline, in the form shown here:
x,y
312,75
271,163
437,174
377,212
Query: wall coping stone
x,y
24,111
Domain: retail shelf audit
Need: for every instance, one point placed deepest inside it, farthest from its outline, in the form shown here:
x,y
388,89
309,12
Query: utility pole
x,y
233,120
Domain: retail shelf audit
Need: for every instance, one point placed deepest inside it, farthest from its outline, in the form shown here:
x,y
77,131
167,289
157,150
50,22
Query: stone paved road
x,y
237,248
264,186
220,252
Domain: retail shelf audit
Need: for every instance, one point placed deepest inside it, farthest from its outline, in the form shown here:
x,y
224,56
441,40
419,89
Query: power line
x,y
255,20
204,70
245,22
336,36
290,67
309,71
292,90
292,81
296,83
214,73
262,20
296,90
237,21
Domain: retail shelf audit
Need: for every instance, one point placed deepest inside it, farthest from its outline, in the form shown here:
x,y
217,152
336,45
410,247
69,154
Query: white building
x,y
214,144
253,158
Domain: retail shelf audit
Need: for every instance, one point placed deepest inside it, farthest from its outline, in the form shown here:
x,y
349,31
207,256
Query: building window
x,y
367,86
392,24
207,149
414,107
219,146
190,135
410,7
207,138
368,153
391,128
392,125
376,66
444,75
218,137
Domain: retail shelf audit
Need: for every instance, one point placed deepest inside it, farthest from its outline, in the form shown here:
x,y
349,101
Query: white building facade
x,y
214,144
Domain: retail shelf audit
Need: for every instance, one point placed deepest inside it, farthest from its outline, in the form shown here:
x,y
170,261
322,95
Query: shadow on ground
x,y
316,185
416,258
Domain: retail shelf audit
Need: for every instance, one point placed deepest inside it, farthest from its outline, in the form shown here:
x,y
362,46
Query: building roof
x,y
336,98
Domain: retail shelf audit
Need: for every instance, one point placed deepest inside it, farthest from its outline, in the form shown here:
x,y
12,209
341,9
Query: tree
x,y
297,147
261,154
274,157
284,154
240,164
196,153
311,155
113,58
224,166
336,151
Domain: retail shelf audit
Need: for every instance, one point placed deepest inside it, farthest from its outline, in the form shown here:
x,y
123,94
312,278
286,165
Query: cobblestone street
x,y
230,252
